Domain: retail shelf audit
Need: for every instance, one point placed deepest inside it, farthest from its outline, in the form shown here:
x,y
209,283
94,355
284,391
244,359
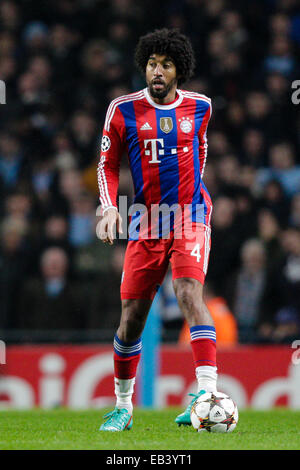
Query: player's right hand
x,y
111,219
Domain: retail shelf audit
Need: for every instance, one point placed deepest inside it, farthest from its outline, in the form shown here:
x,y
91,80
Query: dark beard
x,y
161,94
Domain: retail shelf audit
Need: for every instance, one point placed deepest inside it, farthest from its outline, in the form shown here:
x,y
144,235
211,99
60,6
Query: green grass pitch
x,y
63,429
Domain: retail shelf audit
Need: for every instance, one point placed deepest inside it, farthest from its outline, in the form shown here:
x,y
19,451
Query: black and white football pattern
x,y
214,412
105,143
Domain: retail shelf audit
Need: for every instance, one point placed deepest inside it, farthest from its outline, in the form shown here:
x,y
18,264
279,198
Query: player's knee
x,y
185,290
190,300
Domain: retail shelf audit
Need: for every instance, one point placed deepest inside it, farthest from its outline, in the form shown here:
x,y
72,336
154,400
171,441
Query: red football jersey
x,y
166,147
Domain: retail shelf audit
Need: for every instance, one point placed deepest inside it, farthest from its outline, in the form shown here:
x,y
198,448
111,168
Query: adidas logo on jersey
x,y
146,127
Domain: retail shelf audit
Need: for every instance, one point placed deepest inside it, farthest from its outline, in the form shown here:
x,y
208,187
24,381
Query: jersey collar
x,y
172,105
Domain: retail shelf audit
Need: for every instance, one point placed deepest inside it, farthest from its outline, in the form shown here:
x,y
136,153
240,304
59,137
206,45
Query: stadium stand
x,y
63,62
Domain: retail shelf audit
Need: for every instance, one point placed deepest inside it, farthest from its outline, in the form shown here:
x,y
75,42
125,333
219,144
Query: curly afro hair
x,y
168,42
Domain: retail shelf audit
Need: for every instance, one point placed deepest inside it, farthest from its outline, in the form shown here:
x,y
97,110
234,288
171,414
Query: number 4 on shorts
x,y
196,252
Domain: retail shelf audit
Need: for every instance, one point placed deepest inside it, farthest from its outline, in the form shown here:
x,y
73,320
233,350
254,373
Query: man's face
x,y
160,75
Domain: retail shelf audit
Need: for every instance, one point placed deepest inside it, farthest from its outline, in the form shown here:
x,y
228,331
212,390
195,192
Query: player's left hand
x,y
111,219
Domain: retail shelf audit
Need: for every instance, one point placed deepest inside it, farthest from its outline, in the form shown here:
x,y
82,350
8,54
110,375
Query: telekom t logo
x,y
154,148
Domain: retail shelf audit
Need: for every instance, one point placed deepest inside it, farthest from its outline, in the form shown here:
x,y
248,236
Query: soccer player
x,y
163,129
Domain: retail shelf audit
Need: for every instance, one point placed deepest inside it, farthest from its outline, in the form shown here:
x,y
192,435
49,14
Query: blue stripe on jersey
x,y
168,168
198,215
197,200
134,155
205,206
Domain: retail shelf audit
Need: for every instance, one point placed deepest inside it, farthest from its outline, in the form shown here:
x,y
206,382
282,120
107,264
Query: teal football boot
x,y
117,420
185,417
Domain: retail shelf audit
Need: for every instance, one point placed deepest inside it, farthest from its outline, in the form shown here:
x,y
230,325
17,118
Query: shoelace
x,y
112,414
195,395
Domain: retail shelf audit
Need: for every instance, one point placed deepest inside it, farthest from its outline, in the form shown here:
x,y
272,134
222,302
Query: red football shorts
x,y
147,260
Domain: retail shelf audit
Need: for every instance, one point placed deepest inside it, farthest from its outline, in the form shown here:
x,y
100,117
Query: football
x,y
214,412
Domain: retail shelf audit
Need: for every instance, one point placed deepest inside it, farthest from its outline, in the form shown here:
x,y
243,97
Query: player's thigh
x,y
145,266
189,255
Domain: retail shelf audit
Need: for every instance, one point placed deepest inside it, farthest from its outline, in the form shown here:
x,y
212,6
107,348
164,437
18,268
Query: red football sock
x,y
203,342
126,368
126,358
204,352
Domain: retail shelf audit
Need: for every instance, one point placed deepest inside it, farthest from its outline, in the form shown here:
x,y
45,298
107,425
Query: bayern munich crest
x,y
105,143
186,124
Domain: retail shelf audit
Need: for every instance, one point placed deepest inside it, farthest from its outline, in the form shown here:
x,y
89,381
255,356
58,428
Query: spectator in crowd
x,y
92,260
83,130
274,199
246,213
55,231
218,144
105,304
14,266
283,168
51,301
269,232
20,205
35,37
249,288
70,183
65,155
280,58
253,148
82,220
281,303
227,169
11,159
225,250
42,179
294,218
258,109
10,16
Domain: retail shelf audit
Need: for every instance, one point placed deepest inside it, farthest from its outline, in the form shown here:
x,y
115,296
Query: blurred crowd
x,y
63,61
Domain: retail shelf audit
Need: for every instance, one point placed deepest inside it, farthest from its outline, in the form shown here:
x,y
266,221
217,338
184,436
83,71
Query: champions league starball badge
x,y
105,143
